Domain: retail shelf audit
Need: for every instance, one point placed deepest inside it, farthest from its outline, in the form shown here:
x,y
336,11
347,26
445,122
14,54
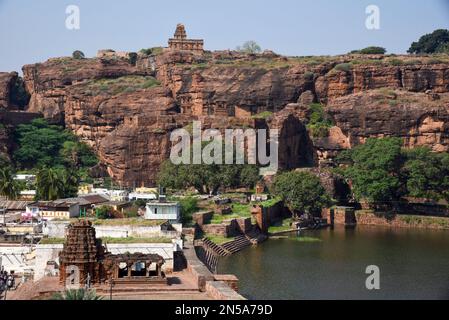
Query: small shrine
x,y
180,41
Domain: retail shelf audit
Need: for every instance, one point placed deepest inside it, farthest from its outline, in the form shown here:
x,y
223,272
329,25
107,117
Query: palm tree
x,y
8,186
76,294
50,184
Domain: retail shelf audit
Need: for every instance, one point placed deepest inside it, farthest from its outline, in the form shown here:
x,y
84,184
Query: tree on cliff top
x,y
371,50
435,42
302,192
77,54
250,47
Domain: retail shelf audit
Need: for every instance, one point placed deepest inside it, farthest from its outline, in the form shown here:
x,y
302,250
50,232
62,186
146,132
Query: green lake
x,y
331,264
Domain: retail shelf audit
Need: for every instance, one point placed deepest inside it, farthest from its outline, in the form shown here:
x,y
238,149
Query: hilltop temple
x,y
180,41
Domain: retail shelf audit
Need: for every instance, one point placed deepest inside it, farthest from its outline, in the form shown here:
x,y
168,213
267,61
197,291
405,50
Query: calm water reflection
x,y
414,264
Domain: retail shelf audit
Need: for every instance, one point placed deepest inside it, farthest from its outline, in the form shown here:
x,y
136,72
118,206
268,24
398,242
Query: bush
x,y
104,212
343,67
319,123
309,76
77,54
132,58
395,62
371,50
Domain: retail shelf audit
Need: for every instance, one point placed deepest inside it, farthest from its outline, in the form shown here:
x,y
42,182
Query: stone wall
x,y
202,217
219,290
401,221
266,216
56,229
340,216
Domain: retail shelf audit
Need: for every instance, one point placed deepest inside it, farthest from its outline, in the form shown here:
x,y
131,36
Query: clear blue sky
x,y
32,31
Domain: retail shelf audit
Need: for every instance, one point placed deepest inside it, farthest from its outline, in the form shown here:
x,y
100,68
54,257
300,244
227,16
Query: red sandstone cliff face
x,y
416,78
127,116
6,81
416,117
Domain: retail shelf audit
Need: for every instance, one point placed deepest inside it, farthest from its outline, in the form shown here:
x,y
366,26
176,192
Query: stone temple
x,y
180,41
84,254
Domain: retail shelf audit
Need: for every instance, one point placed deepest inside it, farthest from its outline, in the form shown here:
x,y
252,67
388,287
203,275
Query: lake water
x,y
414,264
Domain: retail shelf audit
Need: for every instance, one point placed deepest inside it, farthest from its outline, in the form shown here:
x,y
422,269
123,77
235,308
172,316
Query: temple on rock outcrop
x,y
180,41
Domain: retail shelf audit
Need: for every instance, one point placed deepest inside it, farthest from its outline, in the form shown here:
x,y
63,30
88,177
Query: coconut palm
x,y
76,294
9,188
50,184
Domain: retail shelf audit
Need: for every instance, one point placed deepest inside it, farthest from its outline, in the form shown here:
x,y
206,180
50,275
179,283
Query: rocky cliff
x,y
125,109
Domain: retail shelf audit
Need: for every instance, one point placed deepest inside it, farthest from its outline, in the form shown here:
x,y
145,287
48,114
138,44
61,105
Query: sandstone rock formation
x,y
126,109
6,81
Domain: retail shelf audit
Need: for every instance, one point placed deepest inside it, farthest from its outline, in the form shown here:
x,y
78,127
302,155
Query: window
x,y
155,210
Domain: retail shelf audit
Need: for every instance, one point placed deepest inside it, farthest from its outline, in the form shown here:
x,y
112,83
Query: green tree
x,y
250,47
434,42
302,192
207,178
77,54
189,206
249,176
426,174
76,294
50,184
374,169
9,188
43,145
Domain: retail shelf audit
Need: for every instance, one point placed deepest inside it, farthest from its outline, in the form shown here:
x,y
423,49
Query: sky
x,y
32,31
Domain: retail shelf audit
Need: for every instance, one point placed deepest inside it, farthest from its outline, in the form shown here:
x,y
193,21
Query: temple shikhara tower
x,y
180,41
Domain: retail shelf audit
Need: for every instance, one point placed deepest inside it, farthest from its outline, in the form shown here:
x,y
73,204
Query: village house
x,y
163,210
58,209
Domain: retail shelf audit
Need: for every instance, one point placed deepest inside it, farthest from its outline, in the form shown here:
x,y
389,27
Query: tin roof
x,y
14,205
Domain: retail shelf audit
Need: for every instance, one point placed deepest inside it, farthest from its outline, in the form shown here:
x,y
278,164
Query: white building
x,y
162,210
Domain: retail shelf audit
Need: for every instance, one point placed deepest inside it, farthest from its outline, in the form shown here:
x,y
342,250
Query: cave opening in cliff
x,y
295,147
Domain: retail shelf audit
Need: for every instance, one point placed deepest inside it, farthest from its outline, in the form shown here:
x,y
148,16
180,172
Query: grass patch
x,y
152,51
270,203
128,222
263,115
119,85
52,241
107,240
218,239
241,209
285,225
